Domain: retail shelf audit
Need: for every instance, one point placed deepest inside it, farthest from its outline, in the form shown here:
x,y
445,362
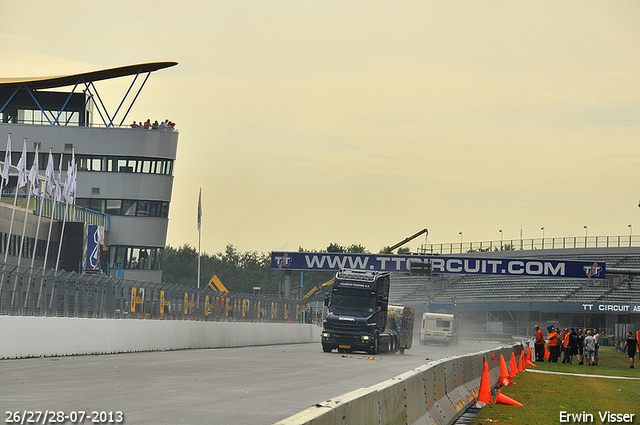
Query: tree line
x,y
240,272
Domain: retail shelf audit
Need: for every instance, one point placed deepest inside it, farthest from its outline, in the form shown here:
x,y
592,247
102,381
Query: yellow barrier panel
x,y
133,299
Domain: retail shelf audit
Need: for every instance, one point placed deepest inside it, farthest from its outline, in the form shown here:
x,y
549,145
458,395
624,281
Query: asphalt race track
x,y
250,385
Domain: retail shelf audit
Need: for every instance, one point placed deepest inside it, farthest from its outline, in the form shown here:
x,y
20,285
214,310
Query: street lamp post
x,y
585,236
542,228
500,239
460,233
630,229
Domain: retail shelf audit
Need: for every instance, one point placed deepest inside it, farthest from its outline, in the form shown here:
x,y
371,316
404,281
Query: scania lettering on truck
x,y
357,318
438,327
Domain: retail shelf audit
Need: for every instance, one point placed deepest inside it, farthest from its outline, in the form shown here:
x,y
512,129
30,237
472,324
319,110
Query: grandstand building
x,y
124,174
501,306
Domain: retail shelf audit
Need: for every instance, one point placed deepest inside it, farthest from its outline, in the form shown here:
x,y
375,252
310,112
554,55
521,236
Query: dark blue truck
x,y
358,313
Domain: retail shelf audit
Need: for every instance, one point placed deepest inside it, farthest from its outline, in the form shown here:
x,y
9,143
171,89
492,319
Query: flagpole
x,y
3,173
35,245
22,181
64,220
54,207
15,200
33,187
13,212
26,211
5,178
199,231
68,187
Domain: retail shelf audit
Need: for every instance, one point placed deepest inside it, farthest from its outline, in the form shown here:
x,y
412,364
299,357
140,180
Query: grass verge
x,y
544,396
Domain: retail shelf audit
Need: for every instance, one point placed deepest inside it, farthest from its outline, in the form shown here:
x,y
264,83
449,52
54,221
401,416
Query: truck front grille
x,y
345,326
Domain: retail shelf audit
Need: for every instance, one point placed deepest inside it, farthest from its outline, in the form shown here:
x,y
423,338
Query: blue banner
x,y
439,264
569,306
95,240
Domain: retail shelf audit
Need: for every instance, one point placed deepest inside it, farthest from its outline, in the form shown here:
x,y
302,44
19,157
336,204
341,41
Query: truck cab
x,y
357,315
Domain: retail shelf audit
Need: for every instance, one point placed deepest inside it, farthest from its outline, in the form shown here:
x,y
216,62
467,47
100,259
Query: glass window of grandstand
x,y
28,116
143,208
92,204
129,207
138,257
90,163
126,207
117,207
114,206
134,165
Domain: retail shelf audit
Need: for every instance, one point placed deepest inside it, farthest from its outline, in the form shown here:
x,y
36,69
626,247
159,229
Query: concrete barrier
x,y
27,336
437,393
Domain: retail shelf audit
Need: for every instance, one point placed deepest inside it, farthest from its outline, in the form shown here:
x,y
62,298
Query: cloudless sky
x,y
363,122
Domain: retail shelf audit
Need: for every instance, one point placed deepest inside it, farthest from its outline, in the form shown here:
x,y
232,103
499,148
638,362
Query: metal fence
x,y
57,209
29,292
532,244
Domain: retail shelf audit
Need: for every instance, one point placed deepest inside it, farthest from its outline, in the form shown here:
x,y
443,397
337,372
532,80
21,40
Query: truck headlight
x,y
325,334
365,337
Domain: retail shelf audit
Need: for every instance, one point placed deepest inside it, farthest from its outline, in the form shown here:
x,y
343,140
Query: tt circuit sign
x,y
438,264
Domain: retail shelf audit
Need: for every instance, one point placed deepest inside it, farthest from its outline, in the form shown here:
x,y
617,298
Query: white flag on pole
x,y
33,173
67,184
7,161
50,177
199,209
22,167
70,181
58,194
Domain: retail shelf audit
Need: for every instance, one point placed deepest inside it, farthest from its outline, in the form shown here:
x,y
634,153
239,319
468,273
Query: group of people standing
x,y
566,344
164,125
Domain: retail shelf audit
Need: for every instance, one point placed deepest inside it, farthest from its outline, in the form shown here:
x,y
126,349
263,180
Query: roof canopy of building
x,y
21,97
72,79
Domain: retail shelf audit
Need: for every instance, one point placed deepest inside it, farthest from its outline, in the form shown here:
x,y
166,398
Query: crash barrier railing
x,y
28,292
436,393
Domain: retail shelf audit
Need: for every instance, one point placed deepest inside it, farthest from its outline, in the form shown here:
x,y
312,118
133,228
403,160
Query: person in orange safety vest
x,y
565,347
553,346
539,345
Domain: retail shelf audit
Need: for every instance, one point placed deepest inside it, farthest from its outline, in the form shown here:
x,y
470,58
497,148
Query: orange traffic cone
x,y
521,367
485,386
503,399
546,352
504,373
529,355
513,366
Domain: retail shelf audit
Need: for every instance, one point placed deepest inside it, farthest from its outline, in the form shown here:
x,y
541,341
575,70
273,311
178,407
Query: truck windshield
x,y
353,304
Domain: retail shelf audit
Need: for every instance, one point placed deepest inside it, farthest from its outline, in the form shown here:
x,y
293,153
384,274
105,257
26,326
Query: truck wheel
x,y
326,349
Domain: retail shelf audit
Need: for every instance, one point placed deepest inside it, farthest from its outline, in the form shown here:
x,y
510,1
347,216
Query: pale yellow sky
x,y
307,123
